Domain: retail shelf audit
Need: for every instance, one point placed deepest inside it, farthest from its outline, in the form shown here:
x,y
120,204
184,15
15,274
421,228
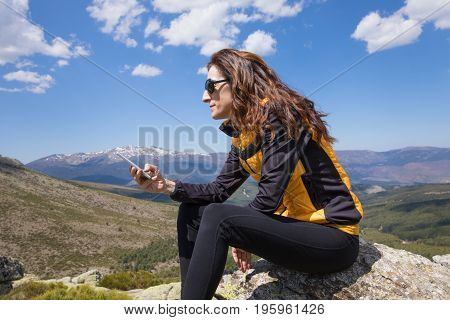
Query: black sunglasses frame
x,y
210,85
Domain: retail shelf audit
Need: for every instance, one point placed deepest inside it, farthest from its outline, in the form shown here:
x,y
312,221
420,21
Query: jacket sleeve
x,y
279,158
231,177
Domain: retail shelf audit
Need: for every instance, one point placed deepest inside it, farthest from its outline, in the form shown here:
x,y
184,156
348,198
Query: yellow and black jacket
x,y
300,179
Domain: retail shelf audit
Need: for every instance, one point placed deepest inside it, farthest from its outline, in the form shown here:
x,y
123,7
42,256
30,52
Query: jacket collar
x,y
228,129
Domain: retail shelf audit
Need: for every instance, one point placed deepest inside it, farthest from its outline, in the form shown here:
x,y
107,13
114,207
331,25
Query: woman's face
x,y
220,100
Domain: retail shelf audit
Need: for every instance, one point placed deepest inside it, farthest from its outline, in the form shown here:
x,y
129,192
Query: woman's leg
x,y
295,244
188,222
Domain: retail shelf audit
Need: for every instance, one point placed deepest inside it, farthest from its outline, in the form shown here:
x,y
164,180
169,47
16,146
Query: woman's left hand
x,y
242,258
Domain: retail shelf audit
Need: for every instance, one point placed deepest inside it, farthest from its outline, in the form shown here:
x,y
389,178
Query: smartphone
x,y
145,174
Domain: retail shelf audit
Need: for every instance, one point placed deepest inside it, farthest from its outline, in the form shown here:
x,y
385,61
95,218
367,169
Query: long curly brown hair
x,y
251,81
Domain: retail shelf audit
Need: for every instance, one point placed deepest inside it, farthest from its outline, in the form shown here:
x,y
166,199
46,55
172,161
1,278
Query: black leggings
x,y
205,232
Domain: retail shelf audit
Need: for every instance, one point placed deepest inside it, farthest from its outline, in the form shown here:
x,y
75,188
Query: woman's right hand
x,y
156,184
242,258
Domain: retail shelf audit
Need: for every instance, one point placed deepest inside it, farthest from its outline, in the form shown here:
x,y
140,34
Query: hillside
x,y
58,228
414,218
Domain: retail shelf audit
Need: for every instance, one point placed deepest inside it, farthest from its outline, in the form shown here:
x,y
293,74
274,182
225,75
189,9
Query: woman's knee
x,y
215,217
214,212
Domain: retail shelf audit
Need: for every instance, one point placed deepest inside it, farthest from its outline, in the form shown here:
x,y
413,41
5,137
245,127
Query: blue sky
x,y
53,101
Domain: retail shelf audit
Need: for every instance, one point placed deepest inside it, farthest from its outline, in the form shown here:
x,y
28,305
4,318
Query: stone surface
x,y
162,292
10,269
442,260
90,277
380,272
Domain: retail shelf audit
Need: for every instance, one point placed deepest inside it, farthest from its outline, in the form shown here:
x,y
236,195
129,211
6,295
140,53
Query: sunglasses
x,y
210,85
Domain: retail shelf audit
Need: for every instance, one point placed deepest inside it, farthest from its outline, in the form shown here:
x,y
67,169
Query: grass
x,y
33,290
129,280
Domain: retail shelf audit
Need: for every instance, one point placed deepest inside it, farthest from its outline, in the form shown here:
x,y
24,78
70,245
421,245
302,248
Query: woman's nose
x,y
206,97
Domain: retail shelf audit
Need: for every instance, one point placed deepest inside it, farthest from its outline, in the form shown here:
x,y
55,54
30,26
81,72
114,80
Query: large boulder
x,y
380,272
10,270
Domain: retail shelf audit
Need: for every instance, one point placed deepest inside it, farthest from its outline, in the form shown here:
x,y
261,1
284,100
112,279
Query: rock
x,y
5,287
90,277
10,269
380,272
162,292
442,260
27,277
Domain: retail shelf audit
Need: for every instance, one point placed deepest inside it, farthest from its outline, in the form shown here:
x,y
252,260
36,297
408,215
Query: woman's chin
x,y
216,116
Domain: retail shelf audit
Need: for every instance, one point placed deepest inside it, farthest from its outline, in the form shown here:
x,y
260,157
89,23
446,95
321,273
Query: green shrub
x,y
148,257
129,280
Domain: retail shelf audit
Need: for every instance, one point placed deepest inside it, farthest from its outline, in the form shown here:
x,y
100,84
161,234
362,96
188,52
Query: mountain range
x,y
403,166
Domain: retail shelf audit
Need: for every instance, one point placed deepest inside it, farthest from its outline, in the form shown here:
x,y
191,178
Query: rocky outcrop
x,y
443,260
171,291
91,277
10,270
380,272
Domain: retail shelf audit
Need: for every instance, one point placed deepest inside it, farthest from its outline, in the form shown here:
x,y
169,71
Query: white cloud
x,y
419,9
25,63
62,63
402,27
37,83
202,70
153,25
213,24
152,47
261,43
146,71
118,16
82,51
177,6
244,18
277,8
208,24
378,31
11,89
20,38
198,26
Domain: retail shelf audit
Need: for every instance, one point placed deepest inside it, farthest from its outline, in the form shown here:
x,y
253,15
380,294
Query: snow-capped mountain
x,y
106,166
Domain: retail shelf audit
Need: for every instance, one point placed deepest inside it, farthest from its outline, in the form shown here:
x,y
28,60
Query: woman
x,y
304,217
